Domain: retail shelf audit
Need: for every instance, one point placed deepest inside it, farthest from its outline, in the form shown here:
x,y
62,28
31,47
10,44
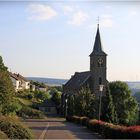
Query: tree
x,y
41,96
6,90
125,105
2,66
39,84
56,97
82,102
108,108
71,105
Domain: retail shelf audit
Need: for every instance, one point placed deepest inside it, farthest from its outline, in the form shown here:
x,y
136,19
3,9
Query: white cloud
x,y
68,9
41,12
78,18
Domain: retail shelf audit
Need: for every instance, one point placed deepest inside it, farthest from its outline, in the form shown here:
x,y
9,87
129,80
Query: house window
x,y
100,80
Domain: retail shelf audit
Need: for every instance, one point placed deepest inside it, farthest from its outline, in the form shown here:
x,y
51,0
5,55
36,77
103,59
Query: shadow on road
x,y
80,132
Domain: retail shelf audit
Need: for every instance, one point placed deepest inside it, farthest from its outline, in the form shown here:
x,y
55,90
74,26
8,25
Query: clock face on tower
x,y
100,61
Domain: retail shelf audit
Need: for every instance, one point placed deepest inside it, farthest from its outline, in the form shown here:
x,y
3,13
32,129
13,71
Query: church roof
x,y
98,49
77,80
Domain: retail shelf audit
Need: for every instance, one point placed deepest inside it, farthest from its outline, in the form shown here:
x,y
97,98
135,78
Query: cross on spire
x,y
97,49
98,21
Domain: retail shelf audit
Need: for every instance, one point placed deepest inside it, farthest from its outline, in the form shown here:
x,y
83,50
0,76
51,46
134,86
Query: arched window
x,y
100,80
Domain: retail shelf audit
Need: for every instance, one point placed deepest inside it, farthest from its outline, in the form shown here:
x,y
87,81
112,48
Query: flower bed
x,y
107,130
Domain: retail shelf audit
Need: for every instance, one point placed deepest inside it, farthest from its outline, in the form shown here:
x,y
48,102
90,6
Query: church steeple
x,y
97,49
98,64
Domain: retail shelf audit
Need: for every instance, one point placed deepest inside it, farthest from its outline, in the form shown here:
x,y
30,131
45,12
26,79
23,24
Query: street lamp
x,y
101,87
66,100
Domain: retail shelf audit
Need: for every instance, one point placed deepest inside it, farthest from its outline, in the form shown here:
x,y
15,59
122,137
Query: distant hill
x,y
134,86
49,81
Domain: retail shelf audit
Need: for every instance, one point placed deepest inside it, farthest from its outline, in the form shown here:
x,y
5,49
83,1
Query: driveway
x,y
58,128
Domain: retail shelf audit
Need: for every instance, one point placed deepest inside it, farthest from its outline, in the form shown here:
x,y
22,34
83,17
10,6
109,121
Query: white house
x,y
19,82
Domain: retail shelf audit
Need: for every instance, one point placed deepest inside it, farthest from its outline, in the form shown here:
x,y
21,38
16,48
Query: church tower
x,y
98,65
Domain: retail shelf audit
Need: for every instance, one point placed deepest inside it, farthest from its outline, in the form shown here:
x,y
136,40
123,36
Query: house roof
x,y
78,80
47,103
98,49
13,76
17,76
20,77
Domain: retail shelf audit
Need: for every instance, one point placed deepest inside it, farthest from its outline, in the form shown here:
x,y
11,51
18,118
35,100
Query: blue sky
x,y
54,39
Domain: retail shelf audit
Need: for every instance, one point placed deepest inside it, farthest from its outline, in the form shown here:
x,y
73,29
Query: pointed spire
x,y
97,45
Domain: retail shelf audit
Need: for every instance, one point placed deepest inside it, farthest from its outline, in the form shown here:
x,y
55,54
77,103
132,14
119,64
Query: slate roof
x,y
13,76
18,76
78,80
21,77
98,49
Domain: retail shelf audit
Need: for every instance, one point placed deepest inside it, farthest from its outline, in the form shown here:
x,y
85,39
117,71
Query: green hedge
x,y
107,130
79,120
14,129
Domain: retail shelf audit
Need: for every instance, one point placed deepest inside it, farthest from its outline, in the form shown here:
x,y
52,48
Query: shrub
x,y
69,118
3,135
108,130
76,119
96,125
14,129
79,120
30,113
84,120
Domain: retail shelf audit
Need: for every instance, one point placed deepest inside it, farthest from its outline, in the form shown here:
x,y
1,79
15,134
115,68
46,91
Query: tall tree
x,y
83,102
6,90
108,109
126,106
2,66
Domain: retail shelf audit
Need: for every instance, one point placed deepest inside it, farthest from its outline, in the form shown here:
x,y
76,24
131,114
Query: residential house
x,y
19,82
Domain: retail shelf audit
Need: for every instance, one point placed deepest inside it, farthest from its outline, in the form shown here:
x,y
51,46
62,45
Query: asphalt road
x,y
58,128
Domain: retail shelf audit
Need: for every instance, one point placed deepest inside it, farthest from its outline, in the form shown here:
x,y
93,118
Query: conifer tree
x,y
108,110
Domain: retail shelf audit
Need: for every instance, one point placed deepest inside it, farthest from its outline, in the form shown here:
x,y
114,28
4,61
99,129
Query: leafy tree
x,y
6,89
41,96
53,90
125,105
2,66
83,103
56,97
38,84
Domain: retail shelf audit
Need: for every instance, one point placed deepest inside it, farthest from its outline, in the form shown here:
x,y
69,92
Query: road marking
x,y
44,132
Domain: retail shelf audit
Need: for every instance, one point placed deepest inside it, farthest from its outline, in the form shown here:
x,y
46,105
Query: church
x,y
94,78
